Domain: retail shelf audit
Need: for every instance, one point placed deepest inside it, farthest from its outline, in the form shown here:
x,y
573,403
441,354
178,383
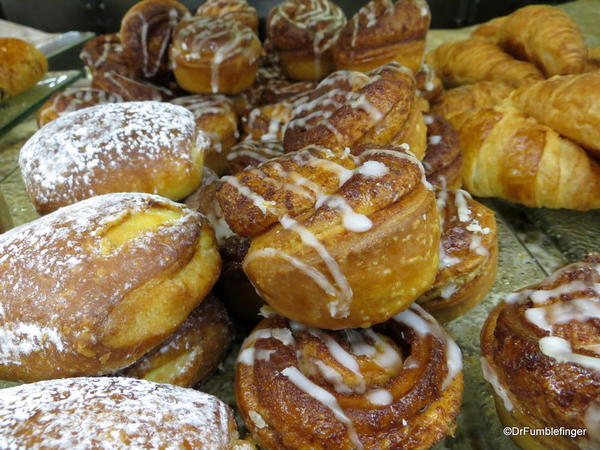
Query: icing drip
x,y
560,350
492,377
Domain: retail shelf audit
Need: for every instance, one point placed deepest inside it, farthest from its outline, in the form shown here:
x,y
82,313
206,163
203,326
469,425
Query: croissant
x,y
512,156
337,241
475,59
396,385
593,61
383,31
545,36
568,104
490,30
468,256
540,354
352,108
457,104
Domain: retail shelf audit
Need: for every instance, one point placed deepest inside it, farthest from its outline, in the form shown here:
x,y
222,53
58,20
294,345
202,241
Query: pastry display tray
x,y
14,109
532,243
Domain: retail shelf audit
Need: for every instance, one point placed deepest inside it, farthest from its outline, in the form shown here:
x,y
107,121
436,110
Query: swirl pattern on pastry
x,y
311,213
252,153
238,10
116,413
130,89
541,354
396,385
105,53
443,159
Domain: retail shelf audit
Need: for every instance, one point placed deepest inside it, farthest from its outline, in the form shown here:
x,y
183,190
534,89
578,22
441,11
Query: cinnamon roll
x,y
337,241
268,122
396,385
429,85
130,89
468,256
383,31
352,108
72,99
252,153
302,34
443,159
105,53
237,10
216,119
540,352
192,352
211,55
146,32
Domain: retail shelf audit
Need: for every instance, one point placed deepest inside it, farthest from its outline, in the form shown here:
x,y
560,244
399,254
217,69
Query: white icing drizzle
x,y
380,397
591,420
435,140
323,397
422,323
387,356
428,119
560,349
492,377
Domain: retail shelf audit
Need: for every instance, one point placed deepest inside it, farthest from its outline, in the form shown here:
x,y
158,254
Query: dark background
x,y
102,16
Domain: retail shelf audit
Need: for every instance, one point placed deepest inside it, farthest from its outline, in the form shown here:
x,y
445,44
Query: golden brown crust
x,y
213,55
476,59
22,66
72,99
114,147
130,89
547,37
290,377
238,10
105,53
116,413
540,353
443,159
146,32
217,121
510,155
192,352
429,85
382,32
268,122
490,30
413,133
352,108
302,33
252,153
457,104
468,259
353,237
90,288
568,105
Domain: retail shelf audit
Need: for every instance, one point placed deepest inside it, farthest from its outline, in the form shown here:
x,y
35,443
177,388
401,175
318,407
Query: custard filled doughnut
x,y
302,33
468,256
116,413
192,352
216,118
539,351
443,159
146,33
337,241
348,109
211,55
72,99
89,289
116,147
383,31
130,89
237,10
252,153
105,53
397,385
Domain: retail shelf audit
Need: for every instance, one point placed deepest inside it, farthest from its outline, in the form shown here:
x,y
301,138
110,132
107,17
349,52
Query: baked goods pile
x,y
522,96
22,66
321,171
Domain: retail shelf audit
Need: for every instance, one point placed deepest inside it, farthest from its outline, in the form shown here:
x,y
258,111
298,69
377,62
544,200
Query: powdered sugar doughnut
x,y
120,147
92,287
111,413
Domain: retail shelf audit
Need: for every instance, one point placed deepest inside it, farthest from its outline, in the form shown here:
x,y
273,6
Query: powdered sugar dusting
x,y
82,153
112,413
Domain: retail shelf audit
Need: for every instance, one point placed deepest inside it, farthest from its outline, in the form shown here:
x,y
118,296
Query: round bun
x,y
118,413
105,53
443,159
130,89
192,352
211,55
237,10
397,385
72,99
90,288
146,32
215,118
118,147
22,66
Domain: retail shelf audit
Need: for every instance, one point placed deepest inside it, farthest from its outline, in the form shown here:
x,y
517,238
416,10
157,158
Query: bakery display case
x,y
314,223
